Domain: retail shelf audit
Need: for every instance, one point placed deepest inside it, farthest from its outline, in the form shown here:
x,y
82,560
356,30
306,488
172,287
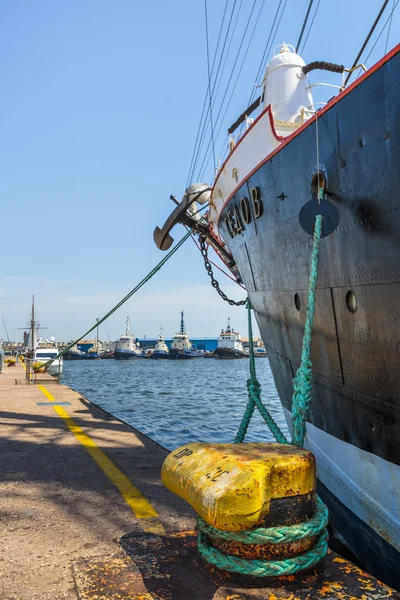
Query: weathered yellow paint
x,y
230,485
132,496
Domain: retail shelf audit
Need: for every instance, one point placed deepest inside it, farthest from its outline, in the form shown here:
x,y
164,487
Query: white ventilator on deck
x,y
286,89
287,92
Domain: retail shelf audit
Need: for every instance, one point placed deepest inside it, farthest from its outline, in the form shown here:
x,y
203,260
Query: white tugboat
x,y
182,347
160,349
126,347
229,344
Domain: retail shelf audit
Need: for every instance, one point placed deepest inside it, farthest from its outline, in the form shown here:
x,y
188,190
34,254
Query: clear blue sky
x,y
99,110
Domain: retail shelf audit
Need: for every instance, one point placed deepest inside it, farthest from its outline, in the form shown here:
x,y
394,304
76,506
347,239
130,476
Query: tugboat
x,y
229,344
161,348
126,348
95,351
341,160
75,354
182,347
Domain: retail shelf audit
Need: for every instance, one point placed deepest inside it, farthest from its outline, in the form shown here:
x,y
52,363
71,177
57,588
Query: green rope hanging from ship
x,y
314,527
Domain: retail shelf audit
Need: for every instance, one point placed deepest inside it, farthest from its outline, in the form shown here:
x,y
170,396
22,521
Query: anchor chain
x,y
214,282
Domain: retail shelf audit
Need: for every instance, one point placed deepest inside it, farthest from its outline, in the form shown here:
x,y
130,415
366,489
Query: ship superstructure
x,y
181,346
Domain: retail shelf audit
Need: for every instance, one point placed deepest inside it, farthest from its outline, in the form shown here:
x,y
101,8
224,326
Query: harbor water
x,y
176,402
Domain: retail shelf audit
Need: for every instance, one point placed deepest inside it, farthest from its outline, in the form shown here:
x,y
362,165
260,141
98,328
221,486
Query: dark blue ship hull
x,y
125,355
354,421
184,354
159,354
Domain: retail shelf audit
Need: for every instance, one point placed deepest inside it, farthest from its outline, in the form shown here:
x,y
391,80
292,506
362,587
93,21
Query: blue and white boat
x,y
160,349
126,348
182,347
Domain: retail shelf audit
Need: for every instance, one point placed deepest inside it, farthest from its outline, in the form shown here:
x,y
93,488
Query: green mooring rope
x,y
302,383
264,568
272,535
315,527
124,299
254,391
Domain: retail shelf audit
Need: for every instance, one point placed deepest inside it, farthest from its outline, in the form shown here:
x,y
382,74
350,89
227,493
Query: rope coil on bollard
x,y
272,535
314,527
264,568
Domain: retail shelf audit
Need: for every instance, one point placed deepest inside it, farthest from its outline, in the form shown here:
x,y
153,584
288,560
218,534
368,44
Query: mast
x,y
33,324
228,329
97,333
182,324
127,327
5,329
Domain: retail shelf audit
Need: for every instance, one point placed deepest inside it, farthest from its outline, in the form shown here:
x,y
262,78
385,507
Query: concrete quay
x,y
57,504
84,514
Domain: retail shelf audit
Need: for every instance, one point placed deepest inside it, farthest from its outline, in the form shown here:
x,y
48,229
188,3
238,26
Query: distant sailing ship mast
x,y
34,327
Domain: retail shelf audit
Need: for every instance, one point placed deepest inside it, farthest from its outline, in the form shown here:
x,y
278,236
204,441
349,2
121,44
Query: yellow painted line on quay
x,y
132,496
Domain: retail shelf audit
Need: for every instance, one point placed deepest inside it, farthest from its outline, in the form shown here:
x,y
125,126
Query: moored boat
x,y
48,350
126,348
182,347
160,349
74,354
229,344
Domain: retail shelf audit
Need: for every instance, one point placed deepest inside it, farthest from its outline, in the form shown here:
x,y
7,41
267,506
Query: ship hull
x,y
354,420
159,355
178,354
226,353
126,355
73,356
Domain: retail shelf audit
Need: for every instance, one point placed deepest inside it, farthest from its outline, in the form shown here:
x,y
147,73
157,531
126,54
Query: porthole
x,y
297,302
351,302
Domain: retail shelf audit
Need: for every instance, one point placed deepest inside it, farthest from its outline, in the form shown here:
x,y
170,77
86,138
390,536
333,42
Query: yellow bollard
x,y
240,486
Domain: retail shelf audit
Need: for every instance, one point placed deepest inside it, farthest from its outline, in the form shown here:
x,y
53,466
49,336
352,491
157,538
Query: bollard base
x,y
170,568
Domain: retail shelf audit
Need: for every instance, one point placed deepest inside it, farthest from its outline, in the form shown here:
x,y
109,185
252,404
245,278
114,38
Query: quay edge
x,y
81,537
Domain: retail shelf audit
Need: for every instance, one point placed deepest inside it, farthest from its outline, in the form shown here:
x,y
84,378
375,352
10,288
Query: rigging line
x,y
265,51
317,145
205,97
5,328
203,133
229,47
371,31
243,61
390,27
304,25
312,23
121,302
231,75
204,137
209,85
382,30
202,125
235,84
